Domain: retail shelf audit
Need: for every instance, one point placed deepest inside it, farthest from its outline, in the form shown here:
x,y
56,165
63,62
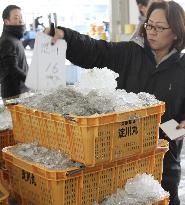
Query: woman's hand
x,y
59,34
181,126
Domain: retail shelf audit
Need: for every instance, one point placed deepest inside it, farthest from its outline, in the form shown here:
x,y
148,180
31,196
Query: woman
x,y
152,64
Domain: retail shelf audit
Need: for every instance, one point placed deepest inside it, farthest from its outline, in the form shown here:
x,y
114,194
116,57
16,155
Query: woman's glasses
x,y
157,29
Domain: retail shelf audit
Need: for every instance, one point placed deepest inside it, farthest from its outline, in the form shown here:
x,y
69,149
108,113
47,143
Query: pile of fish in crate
x,y
110,148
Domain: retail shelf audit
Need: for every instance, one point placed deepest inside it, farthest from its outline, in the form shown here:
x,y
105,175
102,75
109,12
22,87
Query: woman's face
x,y
159,34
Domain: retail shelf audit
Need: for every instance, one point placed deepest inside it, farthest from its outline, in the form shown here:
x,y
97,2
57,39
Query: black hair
x,y
142,2
7,10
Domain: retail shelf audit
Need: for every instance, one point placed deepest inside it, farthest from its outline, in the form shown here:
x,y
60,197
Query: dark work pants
x,y
172,171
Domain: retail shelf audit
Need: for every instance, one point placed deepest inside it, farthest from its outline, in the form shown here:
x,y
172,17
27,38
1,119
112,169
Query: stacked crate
x,y
6,139
114,147
6,132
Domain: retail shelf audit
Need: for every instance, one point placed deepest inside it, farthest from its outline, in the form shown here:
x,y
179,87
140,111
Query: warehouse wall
x,y
122,12
133,12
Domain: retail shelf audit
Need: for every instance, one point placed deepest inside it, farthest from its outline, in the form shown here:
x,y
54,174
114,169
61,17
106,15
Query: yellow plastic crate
x,y
90,140
3,195
40,186
6,139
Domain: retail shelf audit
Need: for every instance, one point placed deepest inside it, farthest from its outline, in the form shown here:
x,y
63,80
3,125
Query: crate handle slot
x,y
134,117
77,171
68,117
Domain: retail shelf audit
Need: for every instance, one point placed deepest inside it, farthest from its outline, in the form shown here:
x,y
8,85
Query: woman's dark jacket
x,y
13,64
138,72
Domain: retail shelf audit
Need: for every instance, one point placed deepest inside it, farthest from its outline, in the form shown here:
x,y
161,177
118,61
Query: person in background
x,y
153,64
13,63
37,24
143,6
29,37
